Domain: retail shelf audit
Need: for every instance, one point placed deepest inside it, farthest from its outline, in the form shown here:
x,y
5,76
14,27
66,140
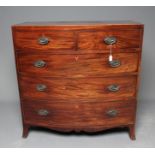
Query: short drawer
x,y
44,40
79,115
109,88
88,65
96,40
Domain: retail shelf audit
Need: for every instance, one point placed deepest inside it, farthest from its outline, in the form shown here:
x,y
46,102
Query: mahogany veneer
x,y
66,82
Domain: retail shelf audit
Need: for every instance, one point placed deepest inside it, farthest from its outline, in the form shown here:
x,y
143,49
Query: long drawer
x,y
106,89
88,65
79,115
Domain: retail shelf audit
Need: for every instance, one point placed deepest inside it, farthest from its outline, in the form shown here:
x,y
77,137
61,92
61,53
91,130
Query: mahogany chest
x,y
79,76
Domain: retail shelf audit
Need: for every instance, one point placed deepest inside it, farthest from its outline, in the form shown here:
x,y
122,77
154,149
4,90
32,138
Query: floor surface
x,y
11,131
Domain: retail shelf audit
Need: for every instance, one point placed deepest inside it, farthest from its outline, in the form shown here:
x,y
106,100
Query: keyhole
x,y
76,58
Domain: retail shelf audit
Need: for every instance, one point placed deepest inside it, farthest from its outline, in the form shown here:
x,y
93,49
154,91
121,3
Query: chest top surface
x,y
77,25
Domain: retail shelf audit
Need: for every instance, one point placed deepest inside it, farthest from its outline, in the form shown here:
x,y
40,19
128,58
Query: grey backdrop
x,y
13,15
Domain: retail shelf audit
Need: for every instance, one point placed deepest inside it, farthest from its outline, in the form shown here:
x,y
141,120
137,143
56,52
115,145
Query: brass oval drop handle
x,y
115,63
39,63
110,40
41,87
43,112
43,40
113,88
112,113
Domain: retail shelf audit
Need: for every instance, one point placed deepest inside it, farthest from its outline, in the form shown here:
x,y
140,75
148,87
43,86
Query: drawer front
x,y
95,40
78,115
76,65
44,40
80,89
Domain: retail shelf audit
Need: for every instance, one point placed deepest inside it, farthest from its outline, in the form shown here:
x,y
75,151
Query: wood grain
x,y
70,116
77,89
77,51
95,40
57,40
92,65
77,26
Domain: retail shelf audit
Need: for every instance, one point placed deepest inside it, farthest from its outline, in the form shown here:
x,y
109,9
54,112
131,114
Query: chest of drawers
x,y
66,80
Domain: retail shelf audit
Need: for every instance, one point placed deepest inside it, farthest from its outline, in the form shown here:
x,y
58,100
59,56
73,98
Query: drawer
x,y
44,40
79,115
117,88
123,38
88,65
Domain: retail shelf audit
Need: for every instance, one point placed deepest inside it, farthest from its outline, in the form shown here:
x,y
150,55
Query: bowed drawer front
x,y
83,89
88,65
66,80
70,116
